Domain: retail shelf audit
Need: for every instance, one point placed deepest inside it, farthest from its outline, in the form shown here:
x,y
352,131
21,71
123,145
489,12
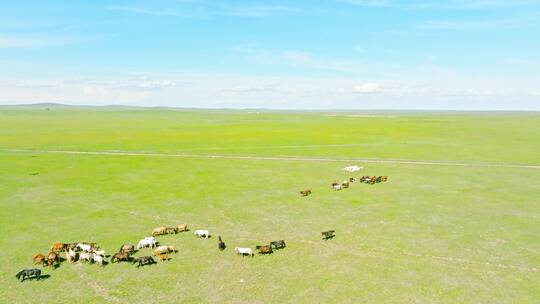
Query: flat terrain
x,y
458,221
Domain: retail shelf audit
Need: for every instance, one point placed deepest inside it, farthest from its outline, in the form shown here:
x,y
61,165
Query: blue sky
x,y
327,54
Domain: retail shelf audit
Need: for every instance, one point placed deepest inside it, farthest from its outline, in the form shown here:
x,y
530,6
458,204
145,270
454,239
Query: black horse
x,y
330,234
221,244
28,273
278,244
145,260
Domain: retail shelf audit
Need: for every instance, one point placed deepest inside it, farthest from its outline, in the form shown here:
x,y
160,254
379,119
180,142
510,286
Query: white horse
x,y
338,187
84,247
146,242
244,251
201,233
86,256
71,255
97,258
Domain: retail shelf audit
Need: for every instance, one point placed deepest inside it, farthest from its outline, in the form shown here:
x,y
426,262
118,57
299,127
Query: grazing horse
x,y
159,231
345,184
352,179
337,186
86,257
244,251
278,244
305,192
145,260
39,259
28,273
128,248
162,256
182,227
384,178
97,258
328,234
221,244
171,230
121,257
100,252
165,249
201,233
265,249
71,255
147,242
57,247
52,259
87,247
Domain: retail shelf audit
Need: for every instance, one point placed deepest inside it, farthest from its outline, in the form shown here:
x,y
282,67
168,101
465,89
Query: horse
x,y
345,184
244,251
121,257
165,249
171,230
278,244
28,273
97,258
182,228
265,249
128,248
159,231
88,247
71,255
337,187
39,259
162,256
328,234
305,192
201,233
52,259
57,247
147,242
221,244
145,260
86,256
99,252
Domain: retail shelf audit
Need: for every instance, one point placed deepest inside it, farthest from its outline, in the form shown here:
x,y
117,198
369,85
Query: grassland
x,y
432,234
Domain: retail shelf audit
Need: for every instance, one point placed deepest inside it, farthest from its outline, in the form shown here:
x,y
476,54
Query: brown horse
x,y
305,192
181,227
162,256
159,231
127,248
57,247
52,259
265,249
121,257
39,259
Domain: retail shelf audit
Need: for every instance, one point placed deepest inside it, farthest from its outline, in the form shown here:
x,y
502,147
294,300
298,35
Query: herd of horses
x,y
366,179
91,252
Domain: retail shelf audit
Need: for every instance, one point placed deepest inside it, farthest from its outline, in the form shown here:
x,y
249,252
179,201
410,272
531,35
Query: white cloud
x,y
251,88
12,42
365,88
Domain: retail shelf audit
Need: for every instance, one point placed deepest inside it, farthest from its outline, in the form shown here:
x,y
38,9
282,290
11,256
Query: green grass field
x,y
437,232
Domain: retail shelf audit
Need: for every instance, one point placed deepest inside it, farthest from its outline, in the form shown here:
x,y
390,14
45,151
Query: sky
x,y
325,54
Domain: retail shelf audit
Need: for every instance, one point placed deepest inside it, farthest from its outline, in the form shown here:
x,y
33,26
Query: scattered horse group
x,y
372,180
91,252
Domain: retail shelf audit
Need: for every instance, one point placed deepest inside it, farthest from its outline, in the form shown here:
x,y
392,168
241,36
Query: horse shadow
x,y
41,277
44,276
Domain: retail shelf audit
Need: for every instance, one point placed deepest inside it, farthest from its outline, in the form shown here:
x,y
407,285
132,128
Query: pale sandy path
x,y
283,158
